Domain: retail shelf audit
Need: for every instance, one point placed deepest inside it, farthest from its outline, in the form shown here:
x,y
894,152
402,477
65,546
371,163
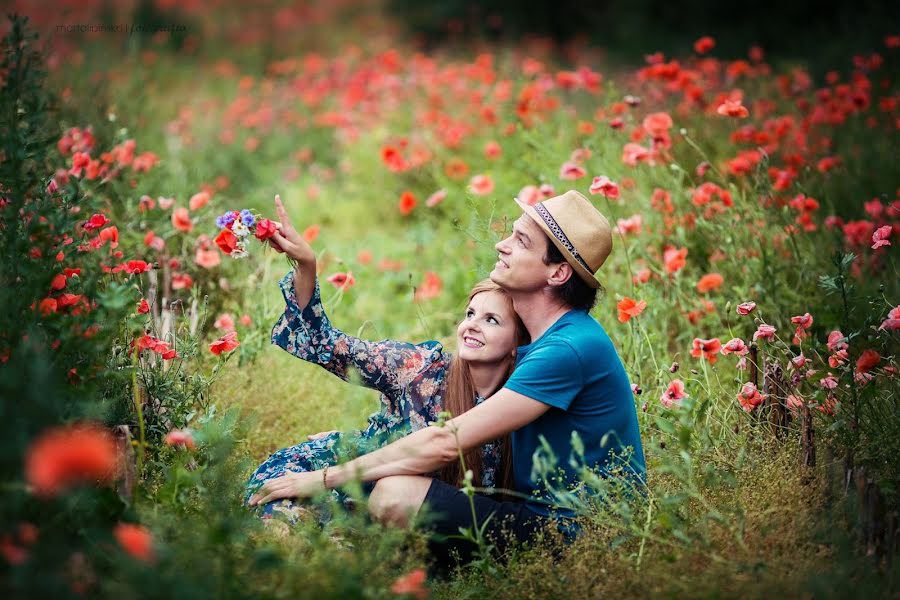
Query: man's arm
x,y
433,447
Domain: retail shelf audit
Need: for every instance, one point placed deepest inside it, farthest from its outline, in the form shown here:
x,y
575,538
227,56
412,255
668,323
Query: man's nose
x,y
501,246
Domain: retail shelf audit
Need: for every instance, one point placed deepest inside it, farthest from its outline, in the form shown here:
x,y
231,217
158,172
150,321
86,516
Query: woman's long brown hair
x,y
459,396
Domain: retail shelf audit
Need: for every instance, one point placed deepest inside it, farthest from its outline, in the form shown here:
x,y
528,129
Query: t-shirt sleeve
x,y
551,374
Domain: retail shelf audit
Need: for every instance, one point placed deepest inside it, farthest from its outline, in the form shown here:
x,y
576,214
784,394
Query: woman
x,y
416,381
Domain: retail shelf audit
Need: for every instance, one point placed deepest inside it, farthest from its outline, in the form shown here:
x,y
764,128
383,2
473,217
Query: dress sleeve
x,y
387,366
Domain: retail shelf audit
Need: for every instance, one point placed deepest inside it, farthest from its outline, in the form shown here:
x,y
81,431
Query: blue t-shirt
x,y
574,368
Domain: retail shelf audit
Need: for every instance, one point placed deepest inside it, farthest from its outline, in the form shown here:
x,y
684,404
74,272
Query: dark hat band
x,y
559,234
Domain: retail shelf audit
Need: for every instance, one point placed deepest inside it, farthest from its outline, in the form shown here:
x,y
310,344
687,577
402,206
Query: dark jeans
x,y
448,509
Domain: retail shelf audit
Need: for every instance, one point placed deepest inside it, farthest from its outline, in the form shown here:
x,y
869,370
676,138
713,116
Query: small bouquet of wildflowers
x,y
236,227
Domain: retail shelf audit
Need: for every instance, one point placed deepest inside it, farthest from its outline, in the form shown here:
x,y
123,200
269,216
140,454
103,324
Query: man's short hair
x,y
575,292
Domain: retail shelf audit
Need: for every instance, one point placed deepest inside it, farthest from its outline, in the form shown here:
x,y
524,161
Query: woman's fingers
x,y
279,208
321,434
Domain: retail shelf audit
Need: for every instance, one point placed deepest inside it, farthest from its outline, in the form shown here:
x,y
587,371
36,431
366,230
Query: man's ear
x,y
560,274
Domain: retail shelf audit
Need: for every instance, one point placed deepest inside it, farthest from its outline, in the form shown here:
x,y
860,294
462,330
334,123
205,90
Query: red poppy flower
x,y
109,234
628,307
134,267
96,222
867,361
136,540
749,397
180,438
431,287
198,200
68,455
407,203
704,45
411,584
674,259
603,185
342,281
311,233
733,108
226,241
707,349
265,228
181,219
709,282
143,307
674,393
226,343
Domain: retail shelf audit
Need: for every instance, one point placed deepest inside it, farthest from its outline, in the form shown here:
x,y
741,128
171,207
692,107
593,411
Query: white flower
x,y
240,251
239,229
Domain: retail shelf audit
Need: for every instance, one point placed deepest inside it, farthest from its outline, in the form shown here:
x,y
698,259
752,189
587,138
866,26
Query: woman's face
x,y
487,333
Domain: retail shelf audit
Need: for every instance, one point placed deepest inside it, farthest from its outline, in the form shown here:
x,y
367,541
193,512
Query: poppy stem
x,y
136,395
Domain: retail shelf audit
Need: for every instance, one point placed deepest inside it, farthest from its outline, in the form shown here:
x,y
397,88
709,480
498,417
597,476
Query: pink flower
x,y
481,185
745,308
892,323
733,108
632,154
838,358
674,393
570,170
867,361
749,397
436,198
207,258
630,225
530,195
803,321
829,382
766,332
198,200
735,346
603,185
880,237
180,437
165,203
836,341
225,322
798,362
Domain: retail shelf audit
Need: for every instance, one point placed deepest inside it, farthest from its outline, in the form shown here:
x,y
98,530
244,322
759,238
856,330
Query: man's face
x,y
520,266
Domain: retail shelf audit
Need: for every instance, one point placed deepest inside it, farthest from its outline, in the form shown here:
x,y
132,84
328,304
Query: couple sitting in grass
x,y
532,369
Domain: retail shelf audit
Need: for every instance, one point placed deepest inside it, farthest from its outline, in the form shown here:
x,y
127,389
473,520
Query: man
x,y
569,379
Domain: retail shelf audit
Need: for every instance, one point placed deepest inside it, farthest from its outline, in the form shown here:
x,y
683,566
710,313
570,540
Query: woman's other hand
x,y
288,240
289,485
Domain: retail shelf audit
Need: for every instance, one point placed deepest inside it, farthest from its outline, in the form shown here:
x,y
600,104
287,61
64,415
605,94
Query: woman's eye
x,y
492,320
470,312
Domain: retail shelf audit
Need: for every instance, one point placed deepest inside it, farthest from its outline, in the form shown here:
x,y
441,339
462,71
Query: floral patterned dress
x,y
410,378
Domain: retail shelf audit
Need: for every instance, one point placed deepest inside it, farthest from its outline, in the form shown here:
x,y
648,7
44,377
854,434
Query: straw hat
x,y
581,233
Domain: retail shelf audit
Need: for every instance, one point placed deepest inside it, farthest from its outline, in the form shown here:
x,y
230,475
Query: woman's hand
x,y
320,435
287,240
289,485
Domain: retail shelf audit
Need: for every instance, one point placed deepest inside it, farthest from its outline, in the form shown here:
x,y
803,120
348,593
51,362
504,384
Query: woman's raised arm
x,y
287,240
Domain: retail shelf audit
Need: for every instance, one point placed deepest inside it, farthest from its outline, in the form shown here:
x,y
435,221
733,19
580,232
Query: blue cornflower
x,y
220,222
247,218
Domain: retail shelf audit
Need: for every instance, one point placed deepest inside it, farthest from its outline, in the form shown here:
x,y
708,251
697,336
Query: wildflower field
x,y
752,294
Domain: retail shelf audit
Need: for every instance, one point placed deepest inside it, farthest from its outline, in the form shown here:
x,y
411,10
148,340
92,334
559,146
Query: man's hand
x,y
287,240
289,485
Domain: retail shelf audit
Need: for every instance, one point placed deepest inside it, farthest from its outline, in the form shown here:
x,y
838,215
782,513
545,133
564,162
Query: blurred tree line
x,y
824,33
